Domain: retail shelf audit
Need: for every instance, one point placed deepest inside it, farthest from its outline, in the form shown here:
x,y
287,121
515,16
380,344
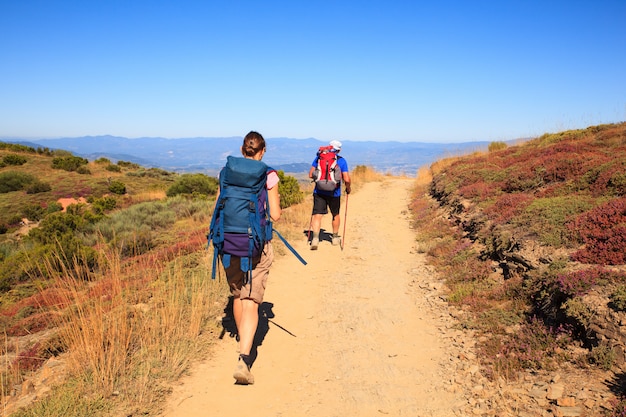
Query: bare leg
x,y
246,314
316,224
336,224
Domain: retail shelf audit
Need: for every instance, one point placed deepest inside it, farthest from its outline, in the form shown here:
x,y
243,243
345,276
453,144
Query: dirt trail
x,y
348,334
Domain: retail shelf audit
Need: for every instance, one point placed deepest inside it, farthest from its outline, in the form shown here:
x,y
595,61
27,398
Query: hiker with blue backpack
x,y
328,171
241,231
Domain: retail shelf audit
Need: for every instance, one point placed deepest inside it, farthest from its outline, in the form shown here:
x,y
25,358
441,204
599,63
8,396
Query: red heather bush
x,y
478,191
603,231
32,324
30,359
508,206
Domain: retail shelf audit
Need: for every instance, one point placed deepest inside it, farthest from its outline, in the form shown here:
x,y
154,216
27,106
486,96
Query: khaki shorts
x,y
256,289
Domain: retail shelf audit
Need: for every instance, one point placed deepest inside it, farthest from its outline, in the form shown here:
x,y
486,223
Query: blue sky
x,y
425,71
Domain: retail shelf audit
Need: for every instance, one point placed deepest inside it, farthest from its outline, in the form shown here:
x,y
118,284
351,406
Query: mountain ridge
x,y
208,154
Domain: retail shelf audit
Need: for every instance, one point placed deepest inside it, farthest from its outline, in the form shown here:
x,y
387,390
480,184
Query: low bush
x,y
38,187
618,298
546,218
68,163
193,184
533,346
127,164
117,187
15,181
14,159
603,231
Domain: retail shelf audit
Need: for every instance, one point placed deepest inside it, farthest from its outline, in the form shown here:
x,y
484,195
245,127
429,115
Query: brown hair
x,y
253,143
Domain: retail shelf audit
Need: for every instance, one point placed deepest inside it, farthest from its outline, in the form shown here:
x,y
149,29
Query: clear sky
x,y
425,71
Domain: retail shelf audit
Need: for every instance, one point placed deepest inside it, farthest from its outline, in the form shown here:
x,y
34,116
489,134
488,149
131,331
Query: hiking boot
x,y
336,240
314,243
242,374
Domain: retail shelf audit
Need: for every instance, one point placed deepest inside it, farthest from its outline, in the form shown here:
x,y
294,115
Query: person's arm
x,y
273,198
274,201
313,167
345,177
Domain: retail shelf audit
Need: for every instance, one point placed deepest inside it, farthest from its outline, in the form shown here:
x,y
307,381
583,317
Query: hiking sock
x,y
316,235
247,360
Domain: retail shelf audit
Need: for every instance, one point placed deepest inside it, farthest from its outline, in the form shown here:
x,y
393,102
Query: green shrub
x,y
618,298
137,229
103,161
127,164
38,187
117,187
68,163
54,207
83,170
113,168
547,218
602,356
152,173
13,159
193,184
104,204
54,226
14,181
34,212
17,147
289,190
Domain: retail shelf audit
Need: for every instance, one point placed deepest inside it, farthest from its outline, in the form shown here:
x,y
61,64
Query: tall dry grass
x,y
133,331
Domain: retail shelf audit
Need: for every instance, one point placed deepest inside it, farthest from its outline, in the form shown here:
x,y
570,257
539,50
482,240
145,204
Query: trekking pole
x,y
310,229
345,220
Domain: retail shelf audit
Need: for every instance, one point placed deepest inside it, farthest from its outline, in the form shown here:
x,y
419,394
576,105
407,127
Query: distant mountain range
x,y
208,155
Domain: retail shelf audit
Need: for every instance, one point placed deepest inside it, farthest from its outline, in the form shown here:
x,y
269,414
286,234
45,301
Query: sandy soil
x,y
345,335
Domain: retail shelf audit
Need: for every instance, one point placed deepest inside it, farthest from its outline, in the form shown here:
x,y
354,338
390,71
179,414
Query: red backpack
x,y
327,175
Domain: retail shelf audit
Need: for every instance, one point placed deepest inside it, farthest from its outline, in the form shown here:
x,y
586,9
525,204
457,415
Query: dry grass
x,y
135,330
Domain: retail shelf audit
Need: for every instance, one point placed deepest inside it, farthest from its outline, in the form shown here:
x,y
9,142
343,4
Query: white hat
x,y
335,144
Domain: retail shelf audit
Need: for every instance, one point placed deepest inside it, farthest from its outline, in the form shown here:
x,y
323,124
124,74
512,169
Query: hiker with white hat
x,y
328,170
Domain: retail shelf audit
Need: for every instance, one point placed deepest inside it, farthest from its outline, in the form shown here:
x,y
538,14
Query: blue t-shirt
x,y
343,166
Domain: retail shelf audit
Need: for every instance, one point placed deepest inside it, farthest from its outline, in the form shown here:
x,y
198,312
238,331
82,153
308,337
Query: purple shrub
x,y
578,283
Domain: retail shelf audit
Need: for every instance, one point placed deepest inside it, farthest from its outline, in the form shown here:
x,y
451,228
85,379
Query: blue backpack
x,y
241,221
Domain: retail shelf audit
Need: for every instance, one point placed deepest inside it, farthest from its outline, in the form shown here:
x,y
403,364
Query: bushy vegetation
x,y
14,159
193,184
289,190
15,181
69,163
524,234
